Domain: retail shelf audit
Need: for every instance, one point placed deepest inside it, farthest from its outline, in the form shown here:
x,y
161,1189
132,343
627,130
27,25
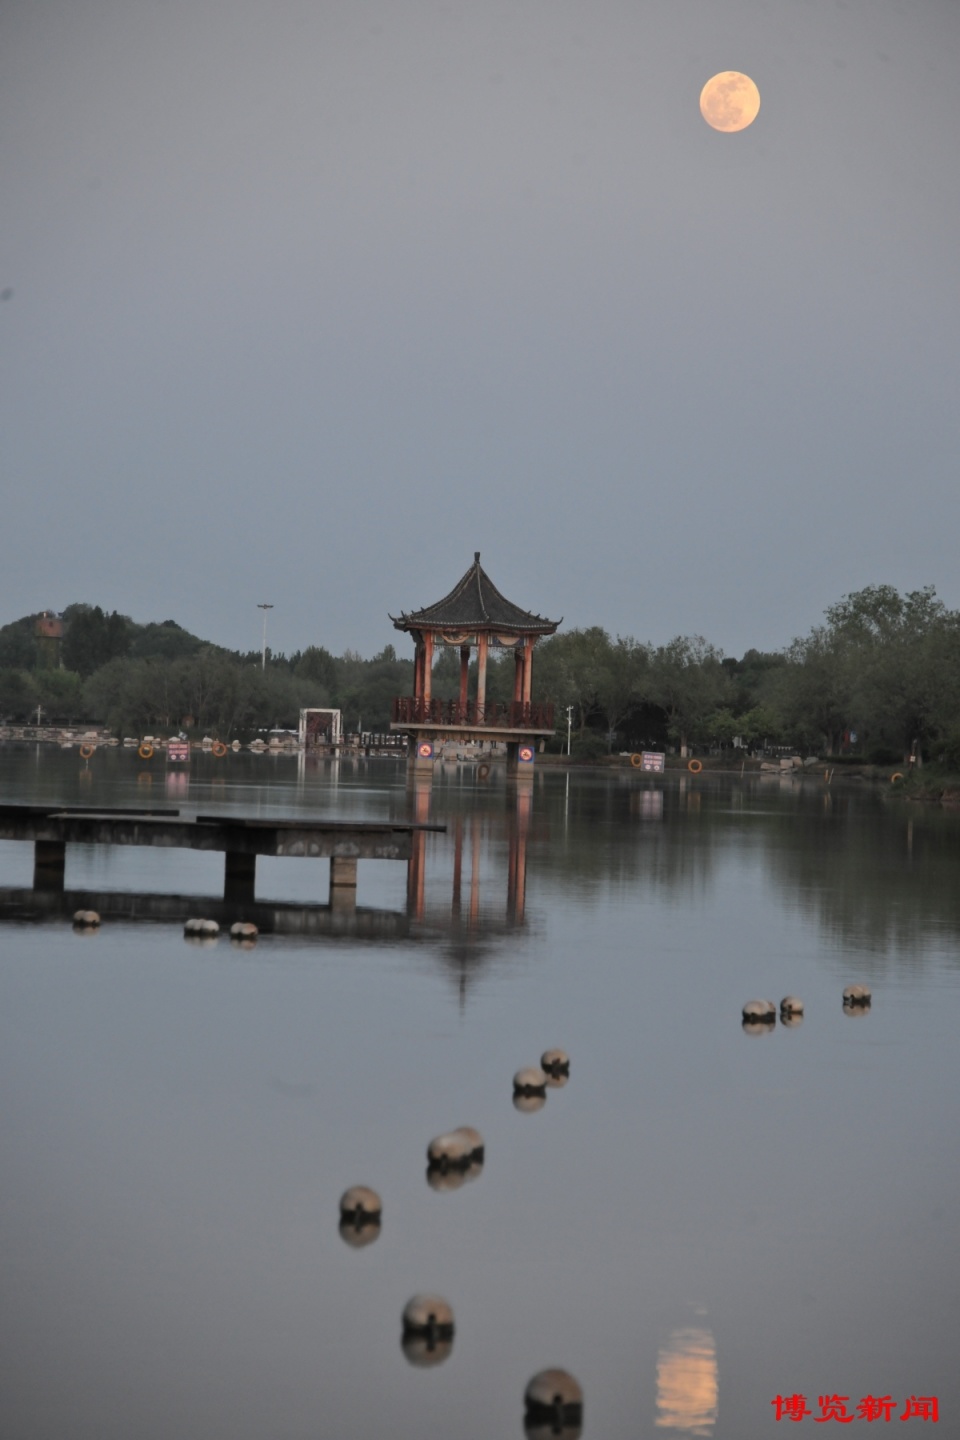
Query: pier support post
x,y
239,877
343,882
420,754
520,755
49,864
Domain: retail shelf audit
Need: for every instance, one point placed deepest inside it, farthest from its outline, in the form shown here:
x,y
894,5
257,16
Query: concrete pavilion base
x,y
514,739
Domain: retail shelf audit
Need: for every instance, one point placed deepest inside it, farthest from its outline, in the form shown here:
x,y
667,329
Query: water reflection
x,y
870,872
192,1117
687,1384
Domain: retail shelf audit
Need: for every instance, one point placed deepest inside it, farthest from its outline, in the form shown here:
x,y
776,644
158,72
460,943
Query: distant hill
x,y
91,637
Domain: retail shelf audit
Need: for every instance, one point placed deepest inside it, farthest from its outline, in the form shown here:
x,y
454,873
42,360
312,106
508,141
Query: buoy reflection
x,y
687,1383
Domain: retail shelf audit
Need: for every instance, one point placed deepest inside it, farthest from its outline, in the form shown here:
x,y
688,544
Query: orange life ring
x,y
483,771
897,775
145,751
636,761
694,766
219,749
86,751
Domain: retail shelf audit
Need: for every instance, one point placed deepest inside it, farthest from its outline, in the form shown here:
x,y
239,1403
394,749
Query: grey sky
x,y
312,300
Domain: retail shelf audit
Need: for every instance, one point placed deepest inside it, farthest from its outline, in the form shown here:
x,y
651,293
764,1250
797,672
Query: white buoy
x,y
427,1312
453,1177
361,1204
760,1011
450,1151
790,1005
475,1140
530,1081
85,920
427,1330
857,995
360,1212
555,1064
243,930
204,929
553,1399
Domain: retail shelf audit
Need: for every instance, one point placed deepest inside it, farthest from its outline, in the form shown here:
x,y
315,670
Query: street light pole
x,y
569,718
263,657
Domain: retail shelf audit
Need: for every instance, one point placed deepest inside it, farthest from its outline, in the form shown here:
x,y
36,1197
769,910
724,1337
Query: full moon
x,y
729,101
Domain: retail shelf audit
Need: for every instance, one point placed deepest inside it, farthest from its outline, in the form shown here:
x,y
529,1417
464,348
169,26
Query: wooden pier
x,y
343,842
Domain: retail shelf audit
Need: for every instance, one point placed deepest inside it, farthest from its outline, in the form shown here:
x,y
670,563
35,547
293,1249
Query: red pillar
x,y
482,643
464,676
418,669
527,671
518,655
427,665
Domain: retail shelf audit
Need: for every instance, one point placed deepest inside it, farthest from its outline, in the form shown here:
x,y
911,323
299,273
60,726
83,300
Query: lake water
x,y
699,1220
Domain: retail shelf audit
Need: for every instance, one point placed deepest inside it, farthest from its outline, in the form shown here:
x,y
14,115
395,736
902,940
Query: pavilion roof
x,y
474,604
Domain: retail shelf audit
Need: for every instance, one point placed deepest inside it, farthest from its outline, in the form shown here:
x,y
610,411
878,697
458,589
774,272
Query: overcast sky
x,y
313,298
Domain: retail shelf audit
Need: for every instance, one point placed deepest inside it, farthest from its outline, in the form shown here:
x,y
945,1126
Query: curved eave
x,y
473,627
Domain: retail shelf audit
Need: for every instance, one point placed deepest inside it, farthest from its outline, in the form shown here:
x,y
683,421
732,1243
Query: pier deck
x,y
343,842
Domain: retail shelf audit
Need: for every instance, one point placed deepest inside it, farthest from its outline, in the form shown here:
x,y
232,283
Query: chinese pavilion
x,y
474,616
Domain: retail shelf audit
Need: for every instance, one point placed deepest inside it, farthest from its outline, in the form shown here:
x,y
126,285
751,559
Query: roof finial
x,y
476,557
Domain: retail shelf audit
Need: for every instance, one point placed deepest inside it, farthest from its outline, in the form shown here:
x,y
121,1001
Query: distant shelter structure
x,y
474,616
48,632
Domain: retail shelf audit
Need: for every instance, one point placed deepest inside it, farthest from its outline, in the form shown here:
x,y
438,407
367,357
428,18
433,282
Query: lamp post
x,y
263,657
569,721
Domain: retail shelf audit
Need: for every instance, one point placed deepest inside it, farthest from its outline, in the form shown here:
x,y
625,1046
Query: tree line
x,y
880,678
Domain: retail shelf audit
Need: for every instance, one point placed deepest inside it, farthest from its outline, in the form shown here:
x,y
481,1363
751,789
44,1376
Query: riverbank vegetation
x,y
878,679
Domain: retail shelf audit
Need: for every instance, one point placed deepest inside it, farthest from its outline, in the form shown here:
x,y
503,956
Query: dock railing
x,y
512,715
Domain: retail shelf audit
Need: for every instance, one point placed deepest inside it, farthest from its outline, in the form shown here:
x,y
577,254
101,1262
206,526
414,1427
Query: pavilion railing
x,y
513,715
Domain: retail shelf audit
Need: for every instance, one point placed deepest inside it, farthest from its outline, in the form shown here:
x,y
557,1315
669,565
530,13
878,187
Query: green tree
x,y
60,692
688,681
91,638
318,665
18,646
18,695
623,681
570,669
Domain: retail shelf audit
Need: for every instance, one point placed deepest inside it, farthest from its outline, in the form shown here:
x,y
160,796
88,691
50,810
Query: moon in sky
x,y
729,101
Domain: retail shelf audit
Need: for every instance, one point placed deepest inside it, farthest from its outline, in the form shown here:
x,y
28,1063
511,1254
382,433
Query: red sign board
x,y
178,750
651,760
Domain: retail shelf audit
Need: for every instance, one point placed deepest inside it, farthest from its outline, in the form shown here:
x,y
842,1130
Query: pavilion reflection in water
x,y
469,832
687,1385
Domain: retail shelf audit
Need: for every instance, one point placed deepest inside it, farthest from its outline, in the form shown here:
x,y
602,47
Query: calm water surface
x,y
699,1220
